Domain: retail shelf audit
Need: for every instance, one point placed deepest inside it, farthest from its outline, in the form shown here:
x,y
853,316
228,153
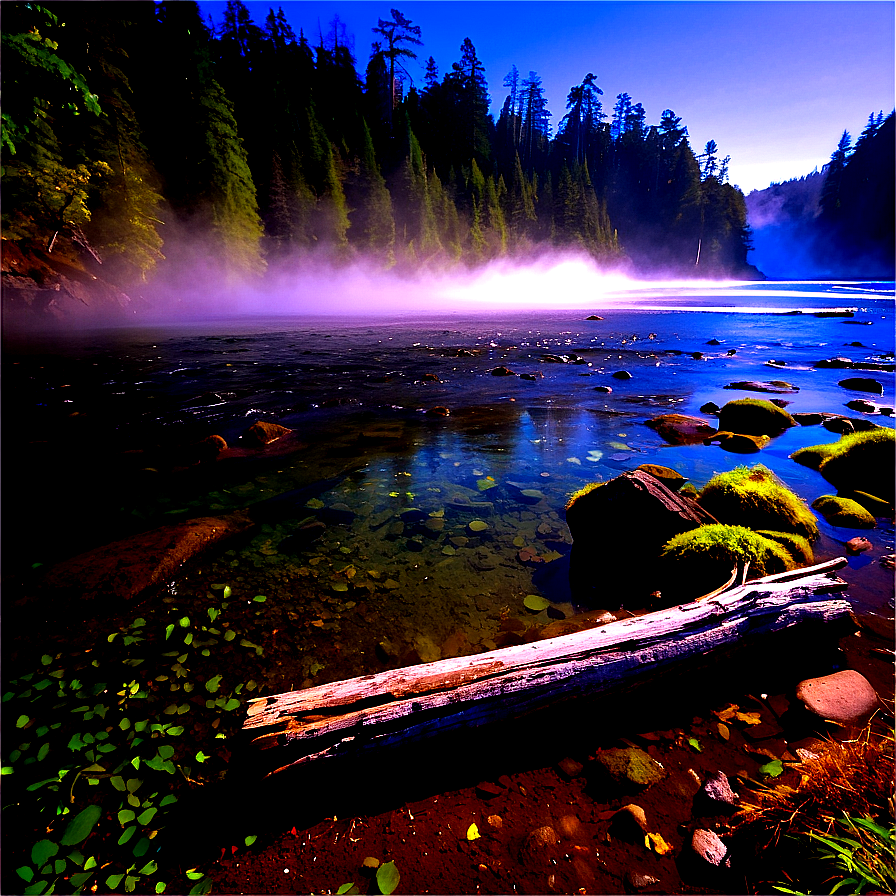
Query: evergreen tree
x,y
535,127
579,127
831,192
398,32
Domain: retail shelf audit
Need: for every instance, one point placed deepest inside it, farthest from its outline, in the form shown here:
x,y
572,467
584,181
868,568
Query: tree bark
x,y
419,701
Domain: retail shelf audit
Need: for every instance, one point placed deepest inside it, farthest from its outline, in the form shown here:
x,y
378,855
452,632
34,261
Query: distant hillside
x,y
833,224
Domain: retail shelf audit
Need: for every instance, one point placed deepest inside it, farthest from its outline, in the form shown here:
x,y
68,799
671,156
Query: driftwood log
x,y
405,704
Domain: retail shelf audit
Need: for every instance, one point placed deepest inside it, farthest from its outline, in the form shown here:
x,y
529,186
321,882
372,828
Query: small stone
x,y
540,846
622,375
487,790
707,846
857,545
495,822
718,790
570,828
606,389
502,371
631,768
710,408
438,411
263,433
630,823
570,767
593,317
713,342
638,880
846,697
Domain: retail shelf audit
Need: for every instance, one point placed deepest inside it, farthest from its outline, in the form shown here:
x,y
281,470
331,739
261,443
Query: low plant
x,y
99,751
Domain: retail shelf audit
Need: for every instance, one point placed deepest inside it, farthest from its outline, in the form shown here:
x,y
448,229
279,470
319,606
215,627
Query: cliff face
x,y
41,290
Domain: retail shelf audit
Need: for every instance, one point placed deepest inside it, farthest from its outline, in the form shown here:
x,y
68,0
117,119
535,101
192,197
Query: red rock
x,y
263,433
845,697
707,846
857,545
680,429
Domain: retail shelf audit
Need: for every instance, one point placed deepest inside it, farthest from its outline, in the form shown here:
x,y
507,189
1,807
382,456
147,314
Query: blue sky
x,y
773,83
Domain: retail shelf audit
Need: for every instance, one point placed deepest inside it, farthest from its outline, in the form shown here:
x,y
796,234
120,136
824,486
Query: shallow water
x,y
99,422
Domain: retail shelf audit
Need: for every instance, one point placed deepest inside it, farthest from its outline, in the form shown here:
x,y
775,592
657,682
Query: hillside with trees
x,y
837,223
254,148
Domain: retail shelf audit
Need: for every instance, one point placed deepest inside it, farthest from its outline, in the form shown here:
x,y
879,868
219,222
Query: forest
x,y
139,136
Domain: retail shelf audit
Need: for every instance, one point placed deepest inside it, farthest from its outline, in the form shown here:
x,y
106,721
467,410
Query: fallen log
x,y
405,704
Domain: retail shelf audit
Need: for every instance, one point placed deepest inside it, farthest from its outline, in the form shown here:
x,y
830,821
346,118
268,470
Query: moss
x,y
702,559
584,490
844,513
755,417
756,499
875,506
795,545
862,461
688,490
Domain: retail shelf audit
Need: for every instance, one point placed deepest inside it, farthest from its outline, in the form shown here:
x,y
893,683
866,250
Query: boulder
x,y
126,568
696,562
846,697
716,793
862,384
540,846
862,405
672,479
738,443
875,506
755,417
857,462
630,823
756,499
710,408
622,375
808,419
840,425
616,525
680,429
796,545
843,512
263,433
502,371
606,389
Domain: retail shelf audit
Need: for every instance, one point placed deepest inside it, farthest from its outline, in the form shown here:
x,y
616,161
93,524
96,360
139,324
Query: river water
x,y
435,527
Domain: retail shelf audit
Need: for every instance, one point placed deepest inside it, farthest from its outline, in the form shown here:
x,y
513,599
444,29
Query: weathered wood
x,y
417,701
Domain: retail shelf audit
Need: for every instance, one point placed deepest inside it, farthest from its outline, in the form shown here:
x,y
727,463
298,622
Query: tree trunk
x,y
419,701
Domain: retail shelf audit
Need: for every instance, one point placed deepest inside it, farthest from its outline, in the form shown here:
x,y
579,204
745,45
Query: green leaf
x,y
146,817
213,684
36,888
175,730
168,800
81,878
260,598
166,751
129,832
149,868
26,873
202,888
75,743
59,866
193,874
142,847
229,635
117,782
6,770
346,888
160,886
387,878
227,592
133,785
250,839
113,880
81,825
184,622
535,602
773,768
168,630
130,884
90,863
22,721
43,850
695,744
126,815
231,704
201,757
42,752
46,659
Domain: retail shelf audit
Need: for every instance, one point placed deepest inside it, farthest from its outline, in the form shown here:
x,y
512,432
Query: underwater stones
x,y
622,375
672,479
756,499
755,417
430,378
862,384
477,527
338,514
630,768
263,433
571,769
680,429
738,443
843,512
302,537
713,342
777,387
857,462
840,425
845,697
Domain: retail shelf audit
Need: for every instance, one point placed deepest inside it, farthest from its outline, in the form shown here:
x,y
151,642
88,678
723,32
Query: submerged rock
x,y
862,384
680,429
776,387
622,375
738,443
263,433
672,479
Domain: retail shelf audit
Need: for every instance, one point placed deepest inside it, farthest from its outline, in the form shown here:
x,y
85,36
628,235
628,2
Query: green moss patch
x,y
795,545
754,417
697,561
672,479
862,461
756,499
843,512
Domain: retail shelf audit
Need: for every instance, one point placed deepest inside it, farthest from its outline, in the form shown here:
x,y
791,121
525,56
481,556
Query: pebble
x,y
622,375
630,823
540,846
857,545
846,697
570,767
638,880
570,828
707,846
718,790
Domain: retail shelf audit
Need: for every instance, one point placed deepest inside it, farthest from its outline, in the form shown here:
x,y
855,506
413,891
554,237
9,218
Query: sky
x,y
775,84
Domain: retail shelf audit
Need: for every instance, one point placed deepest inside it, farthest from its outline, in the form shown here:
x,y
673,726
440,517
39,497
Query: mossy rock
x,y
698,561
843,512
862,461
584,490
739,443
689,491
795,545
875,506
754,417
631,769
670,478
756,499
